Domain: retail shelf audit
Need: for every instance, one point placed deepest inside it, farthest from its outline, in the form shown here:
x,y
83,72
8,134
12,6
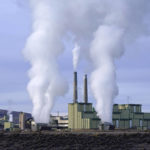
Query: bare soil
x,y
75,141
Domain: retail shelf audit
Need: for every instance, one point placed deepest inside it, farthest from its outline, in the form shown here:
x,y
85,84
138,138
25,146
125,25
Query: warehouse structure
x,y
82,115
60,122
127,116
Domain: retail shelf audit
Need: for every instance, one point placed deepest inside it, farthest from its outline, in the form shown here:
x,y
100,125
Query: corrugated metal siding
x,y
130,113
81,116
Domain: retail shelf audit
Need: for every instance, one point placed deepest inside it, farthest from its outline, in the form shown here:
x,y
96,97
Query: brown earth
x,y
75,141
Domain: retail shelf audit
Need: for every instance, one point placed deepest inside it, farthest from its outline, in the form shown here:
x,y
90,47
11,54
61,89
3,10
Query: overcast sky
x,y
133,69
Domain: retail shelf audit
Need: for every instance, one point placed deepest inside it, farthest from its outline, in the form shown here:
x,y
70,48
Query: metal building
x,y
82,115
59,121
127,116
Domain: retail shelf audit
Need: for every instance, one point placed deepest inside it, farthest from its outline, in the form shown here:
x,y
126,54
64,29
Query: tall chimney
x,y
75,93
85,90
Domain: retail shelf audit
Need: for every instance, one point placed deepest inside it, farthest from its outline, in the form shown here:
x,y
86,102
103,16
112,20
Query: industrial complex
x,y
124,116
130,116
81,116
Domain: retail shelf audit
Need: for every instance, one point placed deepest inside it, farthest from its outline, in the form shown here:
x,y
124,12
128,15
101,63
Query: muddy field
x,y
63,141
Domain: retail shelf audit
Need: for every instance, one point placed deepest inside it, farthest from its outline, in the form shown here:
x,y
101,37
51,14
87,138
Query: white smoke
x,y
42,49
76,55
102,29
104,50
122,24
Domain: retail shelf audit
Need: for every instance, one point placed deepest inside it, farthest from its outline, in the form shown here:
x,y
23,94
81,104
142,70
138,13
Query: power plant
x,y
124,116
82,115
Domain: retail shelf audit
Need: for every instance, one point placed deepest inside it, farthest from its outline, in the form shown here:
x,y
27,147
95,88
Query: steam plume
x,y
117,29
42,49
104,50
102,28
76,55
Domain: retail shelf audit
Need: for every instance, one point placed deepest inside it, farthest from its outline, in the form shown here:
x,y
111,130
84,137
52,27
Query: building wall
x,y
8,125
60,121
130,116
82,116
22,121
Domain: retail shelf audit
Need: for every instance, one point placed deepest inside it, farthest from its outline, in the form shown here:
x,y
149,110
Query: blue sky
x,y
133,69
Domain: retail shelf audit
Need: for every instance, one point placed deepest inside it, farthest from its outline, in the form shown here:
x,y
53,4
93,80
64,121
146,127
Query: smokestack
x,y
85,90
75,93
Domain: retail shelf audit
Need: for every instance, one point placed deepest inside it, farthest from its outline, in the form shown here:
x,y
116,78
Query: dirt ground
x,y
75,141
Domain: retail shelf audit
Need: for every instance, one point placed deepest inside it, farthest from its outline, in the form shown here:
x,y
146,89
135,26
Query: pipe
x,y
75,93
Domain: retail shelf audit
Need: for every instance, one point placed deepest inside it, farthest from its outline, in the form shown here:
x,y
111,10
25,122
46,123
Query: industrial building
x,y
15,116
60,122
8,126
127,116
82,115
11,121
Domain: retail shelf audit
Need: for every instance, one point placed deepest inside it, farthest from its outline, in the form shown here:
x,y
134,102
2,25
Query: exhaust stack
x,y
85,90
75,92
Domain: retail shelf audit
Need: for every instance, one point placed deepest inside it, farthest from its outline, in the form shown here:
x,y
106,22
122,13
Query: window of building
x,y
141,123
134,108
117,123
130,123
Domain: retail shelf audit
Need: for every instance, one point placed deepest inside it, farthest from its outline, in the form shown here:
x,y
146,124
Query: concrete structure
x,y
15,116
22,121
82,115
8,126
3,118
39,126
6,116
59,121
127,116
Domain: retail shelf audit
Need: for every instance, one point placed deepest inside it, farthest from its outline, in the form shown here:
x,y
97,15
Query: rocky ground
x,y
75,141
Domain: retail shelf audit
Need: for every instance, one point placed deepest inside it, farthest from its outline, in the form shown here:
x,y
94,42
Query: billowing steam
x,y
104,50
76,56
102,29
42,50
121,25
